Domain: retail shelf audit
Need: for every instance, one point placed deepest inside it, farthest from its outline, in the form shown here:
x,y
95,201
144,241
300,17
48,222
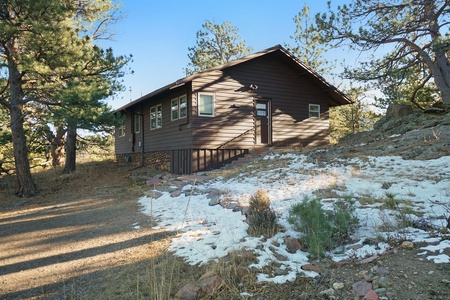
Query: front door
x,y
263,117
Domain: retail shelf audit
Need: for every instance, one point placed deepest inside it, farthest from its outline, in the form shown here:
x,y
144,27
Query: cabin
x,y
208,119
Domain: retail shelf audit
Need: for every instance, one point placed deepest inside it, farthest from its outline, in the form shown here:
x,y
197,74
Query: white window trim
x,y
213,104
178,108
121,130
313,111
137,118
156,118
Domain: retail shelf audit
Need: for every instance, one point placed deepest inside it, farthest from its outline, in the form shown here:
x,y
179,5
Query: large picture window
x,y
206,105
156,117
179,108
314,111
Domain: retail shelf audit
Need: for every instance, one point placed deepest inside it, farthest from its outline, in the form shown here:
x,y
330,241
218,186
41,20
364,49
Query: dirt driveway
x,y
81,230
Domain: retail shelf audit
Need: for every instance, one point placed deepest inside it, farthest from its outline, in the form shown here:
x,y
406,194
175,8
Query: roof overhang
x,y
336,96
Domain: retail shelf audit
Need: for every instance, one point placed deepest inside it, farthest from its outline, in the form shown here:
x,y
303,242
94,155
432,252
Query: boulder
x,y
396,110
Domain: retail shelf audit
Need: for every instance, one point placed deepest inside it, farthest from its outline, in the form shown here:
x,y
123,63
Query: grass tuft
x,y
261,219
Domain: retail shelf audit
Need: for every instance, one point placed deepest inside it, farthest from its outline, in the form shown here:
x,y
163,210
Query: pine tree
x,y
400,35
216,44
43,45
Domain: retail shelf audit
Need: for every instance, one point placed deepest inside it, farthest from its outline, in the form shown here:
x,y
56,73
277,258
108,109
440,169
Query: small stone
x,y
368,260
380,291
214,201
382,270
176,193
383,281
292,245
407,245
361,288
188,292
209,282
328,293
305,296
371,295
446,281
311,267
338,286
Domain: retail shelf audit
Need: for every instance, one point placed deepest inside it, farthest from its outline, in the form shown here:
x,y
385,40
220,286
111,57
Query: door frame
x,y
259,126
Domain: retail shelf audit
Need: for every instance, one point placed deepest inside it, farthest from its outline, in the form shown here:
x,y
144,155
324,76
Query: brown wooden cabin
x,y
205,120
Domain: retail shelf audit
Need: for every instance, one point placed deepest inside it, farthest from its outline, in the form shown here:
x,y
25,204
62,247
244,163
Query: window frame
x,y
137,121
314,113
121,129
199,113
179,108
156,118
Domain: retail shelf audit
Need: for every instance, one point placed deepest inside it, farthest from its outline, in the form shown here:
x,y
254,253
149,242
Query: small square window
x,y
206,105
314,111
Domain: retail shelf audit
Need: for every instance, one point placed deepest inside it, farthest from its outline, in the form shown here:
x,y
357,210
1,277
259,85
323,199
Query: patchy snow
x,y
210,232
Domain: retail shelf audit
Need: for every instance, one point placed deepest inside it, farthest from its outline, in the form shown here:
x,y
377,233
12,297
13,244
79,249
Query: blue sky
x,y
158,34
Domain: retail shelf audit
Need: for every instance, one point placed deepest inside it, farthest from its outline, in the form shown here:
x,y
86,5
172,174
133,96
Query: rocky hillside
x,y
402,132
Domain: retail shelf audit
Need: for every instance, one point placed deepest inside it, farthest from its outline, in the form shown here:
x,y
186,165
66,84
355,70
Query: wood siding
x,y
172,135
230,128
199,142
290,93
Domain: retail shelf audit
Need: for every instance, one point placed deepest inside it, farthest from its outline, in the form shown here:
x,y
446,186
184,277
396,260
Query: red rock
x,y
188,292
209,283
361,288
371,295
292,245
311,267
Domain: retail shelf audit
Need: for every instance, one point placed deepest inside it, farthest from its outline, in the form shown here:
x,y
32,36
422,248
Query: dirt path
x,y
72,236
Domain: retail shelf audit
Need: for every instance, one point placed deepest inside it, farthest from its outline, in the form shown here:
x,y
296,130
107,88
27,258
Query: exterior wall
x,y
230,128
172,135
290,93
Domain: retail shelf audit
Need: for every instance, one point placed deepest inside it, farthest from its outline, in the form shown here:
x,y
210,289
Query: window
x,y
314,111
206,105
183,106
156,117
175,109
179,108
137,123
261,109
121,129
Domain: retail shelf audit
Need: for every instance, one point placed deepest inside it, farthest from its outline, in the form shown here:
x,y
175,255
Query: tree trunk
x,y
71,151
26,186
57,147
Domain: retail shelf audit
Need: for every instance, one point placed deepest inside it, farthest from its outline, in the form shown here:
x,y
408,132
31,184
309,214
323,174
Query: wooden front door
x,y
263,122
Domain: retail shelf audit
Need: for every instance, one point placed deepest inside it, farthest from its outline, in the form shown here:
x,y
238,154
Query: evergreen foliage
x,y
410,36
322,231
47,47
216,44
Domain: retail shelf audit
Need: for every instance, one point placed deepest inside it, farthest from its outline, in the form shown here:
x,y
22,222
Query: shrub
x,y
390,202
323,230
260,218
